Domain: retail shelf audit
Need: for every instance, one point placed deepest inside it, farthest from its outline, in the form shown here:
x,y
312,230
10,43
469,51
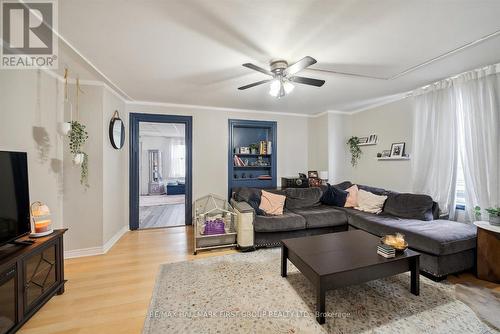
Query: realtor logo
x,y
28,38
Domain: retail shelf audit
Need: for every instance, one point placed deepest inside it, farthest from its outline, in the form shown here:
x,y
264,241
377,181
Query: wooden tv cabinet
x,y
38,274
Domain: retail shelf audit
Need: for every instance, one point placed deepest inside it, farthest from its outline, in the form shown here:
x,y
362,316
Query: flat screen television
x,y
14,196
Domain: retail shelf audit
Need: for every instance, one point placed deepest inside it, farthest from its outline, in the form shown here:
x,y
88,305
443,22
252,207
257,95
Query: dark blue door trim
x,y
135,119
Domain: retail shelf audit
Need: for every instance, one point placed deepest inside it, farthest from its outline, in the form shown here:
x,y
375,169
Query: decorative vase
x,y
253,151
64,128
78,158
494,220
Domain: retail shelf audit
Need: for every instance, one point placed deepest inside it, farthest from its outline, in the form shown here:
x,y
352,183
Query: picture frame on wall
x,y
397,150
372,139
312,174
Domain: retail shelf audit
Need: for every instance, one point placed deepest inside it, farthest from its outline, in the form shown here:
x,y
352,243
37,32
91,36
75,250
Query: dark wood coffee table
x,y
335,260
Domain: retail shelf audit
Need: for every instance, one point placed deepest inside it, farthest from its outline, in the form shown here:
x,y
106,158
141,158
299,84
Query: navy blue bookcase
x,y
243,133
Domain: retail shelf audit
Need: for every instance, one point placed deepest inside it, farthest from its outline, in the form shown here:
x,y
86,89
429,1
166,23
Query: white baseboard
x,y
96,250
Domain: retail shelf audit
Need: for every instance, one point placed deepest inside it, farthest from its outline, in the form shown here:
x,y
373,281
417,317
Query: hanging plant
x,y
77,138
356,152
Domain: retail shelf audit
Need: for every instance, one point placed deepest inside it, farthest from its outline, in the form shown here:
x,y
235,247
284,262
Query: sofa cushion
x,y
374,190
334,196
288,221
438,237
322,216
370,202
410,206
297,198
343,185
250,196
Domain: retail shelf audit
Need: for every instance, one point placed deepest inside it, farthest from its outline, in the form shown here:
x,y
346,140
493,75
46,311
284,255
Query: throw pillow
x,y
369,202
272,204
352,198
334,196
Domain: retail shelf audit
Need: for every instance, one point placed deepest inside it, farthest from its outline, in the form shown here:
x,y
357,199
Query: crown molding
x,y
212,108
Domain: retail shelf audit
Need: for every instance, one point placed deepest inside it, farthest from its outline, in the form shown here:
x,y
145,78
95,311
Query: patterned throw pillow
x,y
272,204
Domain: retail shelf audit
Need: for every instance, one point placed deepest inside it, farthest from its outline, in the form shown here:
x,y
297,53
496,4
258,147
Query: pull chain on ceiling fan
x,y
283,76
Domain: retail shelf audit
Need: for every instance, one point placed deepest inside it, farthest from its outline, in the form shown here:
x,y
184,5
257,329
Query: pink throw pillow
x,y
272,204
352,197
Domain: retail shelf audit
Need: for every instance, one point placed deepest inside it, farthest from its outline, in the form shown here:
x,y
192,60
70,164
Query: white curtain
x,y
455,119
435,152
478,95
177,158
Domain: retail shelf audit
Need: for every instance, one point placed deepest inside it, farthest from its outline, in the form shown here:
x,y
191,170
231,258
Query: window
x,y
177,159
460,194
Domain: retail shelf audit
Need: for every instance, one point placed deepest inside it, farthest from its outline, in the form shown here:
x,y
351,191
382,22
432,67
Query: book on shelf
x,y
264,177
265,147
237,162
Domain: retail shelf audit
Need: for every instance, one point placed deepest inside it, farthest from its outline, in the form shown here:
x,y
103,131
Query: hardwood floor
x,y
161,216
110,293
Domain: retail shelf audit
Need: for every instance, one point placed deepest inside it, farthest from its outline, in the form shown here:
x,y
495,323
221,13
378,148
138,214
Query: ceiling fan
x,y
283,75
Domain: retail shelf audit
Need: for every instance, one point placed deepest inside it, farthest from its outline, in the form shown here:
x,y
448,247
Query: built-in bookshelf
x,y
252,154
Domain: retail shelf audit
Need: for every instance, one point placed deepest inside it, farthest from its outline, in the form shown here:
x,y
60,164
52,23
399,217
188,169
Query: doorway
x,y
160,171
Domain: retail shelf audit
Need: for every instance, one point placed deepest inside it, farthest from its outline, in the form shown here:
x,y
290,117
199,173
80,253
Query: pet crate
x,y
214,223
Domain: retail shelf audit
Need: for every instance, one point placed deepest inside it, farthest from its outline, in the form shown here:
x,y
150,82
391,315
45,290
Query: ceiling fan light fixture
x,y
275,88
288,87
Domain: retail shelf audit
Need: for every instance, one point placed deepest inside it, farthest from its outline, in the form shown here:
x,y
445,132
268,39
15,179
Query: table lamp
x,y
40,217
323,176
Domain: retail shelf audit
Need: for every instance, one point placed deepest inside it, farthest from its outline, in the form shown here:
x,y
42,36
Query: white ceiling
x,y
190,52
151,129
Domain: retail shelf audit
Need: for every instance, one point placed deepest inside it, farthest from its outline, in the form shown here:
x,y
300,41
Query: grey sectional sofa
x,y
446,246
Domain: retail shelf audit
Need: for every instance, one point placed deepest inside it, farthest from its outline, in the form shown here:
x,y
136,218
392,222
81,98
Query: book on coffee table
x,y
386,251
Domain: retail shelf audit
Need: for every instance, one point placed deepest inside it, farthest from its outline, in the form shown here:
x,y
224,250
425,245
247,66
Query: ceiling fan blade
x,y
300,65
254,84
307,81
257,68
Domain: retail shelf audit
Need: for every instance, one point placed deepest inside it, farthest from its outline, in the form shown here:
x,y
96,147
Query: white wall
x,y
83,207
210,143
318,142
30,109
115,176
393,123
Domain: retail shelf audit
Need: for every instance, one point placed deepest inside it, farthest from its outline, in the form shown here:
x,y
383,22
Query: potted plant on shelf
x,y
356,152
254,148
77,138
493,215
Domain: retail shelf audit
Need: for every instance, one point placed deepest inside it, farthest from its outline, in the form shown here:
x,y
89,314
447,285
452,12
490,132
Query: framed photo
x,y
244,150
372,139
312,174
386,153
397,150
363,140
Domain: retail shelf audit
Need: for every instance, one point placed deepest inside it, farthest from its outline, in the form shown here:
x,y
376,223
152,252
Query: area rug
x,y
244,293
485,302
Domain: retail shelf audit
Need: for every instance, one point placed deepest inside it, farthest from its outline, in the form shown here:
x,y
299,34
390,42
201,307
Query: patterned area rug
x,y
244,293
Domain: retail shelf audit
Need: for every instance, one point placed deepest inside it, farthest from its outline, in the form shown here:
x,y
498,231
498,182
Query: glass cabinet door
x,y
40,274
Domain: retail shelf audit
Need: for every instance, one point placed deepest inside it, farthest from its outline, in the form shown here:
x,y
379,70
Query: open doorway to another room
x,y
162,174
160,171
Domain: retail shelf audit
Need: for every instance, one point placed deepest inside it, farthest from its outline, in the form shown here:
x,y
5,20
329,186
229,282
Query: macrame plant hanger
x,y
66,99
